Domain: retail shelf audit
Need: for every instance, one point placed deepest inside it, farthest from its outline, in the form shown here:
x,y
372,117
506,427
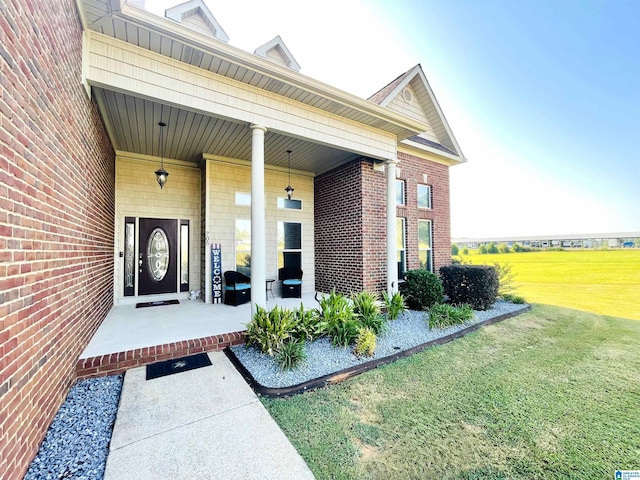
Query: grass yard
x,y
550,394
599,281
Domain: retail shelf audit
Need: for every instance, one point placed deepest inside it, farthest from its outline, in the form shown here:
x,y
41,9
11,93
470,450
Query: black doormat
x,y
177,365
159,303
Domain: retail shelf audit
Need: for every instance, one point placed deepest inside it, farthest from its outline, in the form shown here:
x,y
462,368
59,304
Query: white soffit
x,y
276,51
195,15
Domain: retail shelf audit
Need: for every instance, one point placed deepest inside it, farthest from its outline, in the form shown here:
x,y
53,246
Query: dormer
x,y
277,52
196,16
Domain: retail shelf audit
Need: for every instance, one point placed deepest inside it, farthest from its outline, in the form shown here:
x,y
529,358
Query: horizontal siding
x,y
122,67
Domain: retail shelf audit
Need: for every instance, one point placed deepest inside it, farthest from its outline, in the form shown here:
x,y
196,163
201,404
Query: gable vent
x,y
406,94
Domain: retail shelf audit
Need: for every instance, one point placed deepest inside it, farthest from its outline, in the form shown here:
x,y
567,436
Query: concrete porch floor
x,y
130,337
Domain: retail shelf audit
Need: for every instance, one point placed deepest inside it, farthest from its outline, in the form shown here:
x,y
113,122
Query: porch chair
x,y
238,288
291,282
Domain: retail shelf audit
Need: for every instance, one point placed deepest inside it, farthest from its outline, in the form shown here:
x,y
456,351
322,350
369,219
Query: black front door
x,y
158,256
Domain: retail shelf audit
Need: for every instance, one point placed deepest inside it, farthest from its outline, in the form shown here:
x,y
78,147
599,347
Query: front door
x,y
158,256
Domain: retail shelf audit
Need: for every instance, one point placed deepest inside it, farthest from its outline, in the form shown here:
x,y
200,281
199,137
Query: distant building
x,y
590,240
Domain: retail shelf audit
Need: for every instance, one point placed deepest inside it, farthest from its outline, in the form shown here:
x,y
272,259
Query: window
x,y
424,196
243,246
400,247
243,199
129,256
400,193
184,255
290,204
289,245
424,245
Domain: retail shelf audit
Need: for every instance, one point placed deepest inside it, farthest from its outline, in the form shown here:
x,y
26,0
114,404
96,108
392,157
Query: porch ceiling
x,y
133,125
132,118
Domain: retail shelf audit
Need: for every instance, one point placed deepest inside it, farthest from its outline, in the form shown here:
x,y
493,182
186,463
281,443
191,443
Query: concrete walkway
x,y
201,424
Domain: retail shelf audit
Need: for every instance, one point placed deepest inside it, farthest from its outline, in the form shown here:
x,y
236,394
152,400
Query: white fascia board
x,y
413,148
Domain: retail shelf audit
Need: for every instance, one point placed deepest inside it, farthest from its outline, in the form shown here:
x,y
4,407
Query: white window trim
x,y
430,249
430,207
403,229
290,250
404,192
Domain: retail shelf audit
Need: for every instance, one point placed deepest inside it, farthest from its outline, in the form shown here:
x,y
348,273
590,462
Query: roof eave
x,y
443,157
396,123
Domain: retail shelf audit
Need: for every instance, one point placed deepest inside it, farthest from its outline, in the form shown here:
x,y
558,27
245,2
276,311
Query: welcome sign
x,y
216,273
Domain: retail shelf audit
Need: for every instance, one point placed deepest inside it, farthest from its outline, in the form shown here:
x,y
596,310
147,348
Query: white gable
x,y
406,102
411,95
276,51
196,16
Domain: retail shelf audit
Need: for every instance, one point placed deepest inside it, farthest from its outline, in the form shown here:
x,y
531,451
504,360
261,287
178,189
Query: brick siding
x,y
56,220
338,229
350,222
412,170
115,363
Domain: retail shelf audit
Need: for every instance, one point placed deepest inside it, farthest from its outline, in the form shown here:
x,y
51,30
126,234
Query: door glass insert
x,y
158,254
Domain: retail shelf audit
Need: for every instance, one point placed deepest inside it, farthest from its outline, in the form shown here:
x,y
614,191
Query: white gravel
x,y
409,330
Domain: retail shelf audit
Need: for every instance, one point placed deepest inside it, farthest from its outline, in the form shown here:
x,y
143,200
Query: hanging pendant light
x,y
289,189
161,173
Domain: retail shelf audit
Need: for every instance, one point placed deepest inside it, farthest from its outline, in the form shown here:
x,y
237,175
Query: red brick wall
x,y
338,229
412,170
350,222
56,220
374,214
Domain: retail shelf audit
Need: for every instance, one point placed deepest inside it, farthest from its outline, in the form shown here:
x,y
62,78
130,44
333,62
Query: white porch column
x,y
258,222
392,261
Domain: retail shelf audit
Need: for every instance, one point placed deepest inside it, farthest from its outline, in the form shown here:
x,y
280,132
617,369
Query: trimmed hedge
x,y
421,289
476,285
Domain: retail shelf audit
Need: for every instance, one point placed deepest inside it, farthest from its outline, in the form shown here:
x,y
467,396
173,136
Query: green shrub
x,y
335,306
465,251
309,325
444,315
366,309
377,324
291,354
454,249
344,332
476,285
503,248
515,299
269,330
421,289
365,343
492,249
482,250
337,312
395,305
365,304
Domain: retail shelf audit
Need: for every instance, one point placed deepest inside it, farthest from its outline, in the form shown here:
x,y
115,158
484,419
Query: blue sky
x,y
542,96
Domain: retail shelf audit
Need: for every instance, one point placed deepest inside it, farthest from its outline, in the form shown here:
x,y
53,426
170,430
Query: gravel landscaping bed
x,y
409,330
77,443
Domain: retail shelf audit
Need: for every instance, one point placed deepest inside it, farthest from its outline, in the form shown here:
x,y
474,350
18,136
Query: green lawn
x,y
551,394
599,281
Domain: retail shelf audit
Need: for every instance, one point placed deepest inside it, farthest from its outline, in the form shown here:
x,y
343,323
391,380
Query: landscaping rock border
x,y
327,364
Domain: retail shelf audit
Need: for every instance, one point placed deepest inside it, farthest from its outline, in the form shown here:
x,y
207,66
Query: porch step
x,y
115,363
